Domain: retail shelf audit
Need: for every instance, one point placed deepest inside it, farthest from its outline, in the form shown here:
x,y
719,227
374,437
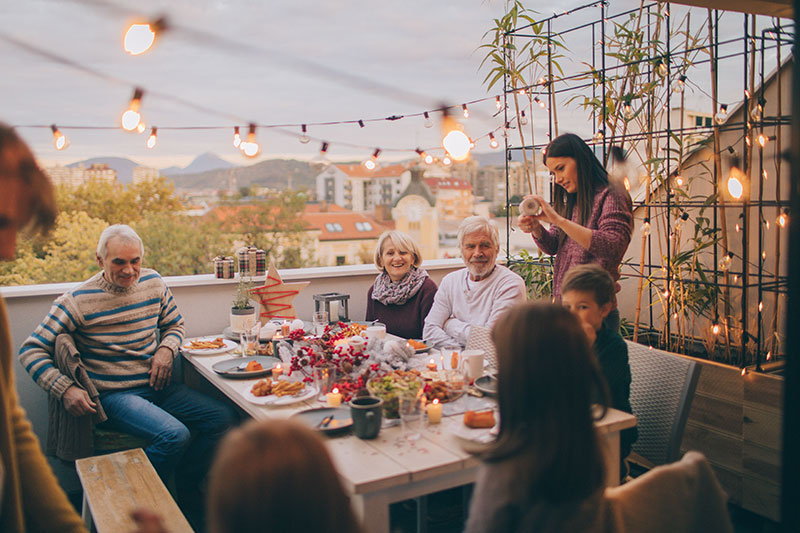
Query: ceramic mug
x,y
367,413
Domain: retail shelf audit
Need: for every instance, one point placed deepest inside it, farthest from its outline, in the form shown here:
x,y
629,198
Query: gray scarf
x,y
389,292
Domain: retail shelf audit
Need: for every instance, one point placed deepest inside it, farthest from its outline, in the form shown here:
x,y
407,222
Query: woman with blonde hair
x,y
402,294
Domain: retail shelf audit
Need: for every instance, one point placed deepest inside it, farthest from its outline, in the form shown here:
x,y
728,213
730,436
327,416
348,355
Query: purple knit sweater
x,y
404,320
611,223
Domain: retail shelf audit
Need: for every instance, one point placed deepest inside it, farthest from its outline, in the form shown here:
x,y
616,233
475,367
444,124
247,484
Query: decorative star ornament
x,y
276,297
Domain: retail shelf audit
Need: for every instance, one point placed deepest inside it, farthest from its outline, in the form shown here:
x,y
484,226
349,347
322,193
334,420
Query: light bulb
x,y
304,138
464,110
722,114
138,39
726,261
59,140
680,84
628,111
539,102
455,141
140,127
646,227
428,120
371,163
599,136
498,104
446,161
760,306
523,120
757,112
429,159
320,161
783,218
237,138
151,141
715,329
492,141
762,140
681,219
679,181
131,117
736,183
250,148
661,68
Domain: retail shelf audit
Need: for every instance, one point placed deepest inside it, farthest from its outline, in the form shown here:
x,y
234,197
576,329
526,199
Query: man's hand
x,y
77,401
161,368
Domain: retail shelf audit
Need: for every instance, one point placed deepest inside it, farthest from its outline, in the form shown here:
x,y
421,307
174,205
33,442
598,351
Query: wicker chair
x,y
662,388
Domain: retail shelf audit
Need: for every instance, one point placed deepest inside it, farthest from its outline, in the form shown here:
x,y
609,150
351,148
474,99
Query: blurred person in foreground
x,y
545,472
271,476
402,294
30,498
476,294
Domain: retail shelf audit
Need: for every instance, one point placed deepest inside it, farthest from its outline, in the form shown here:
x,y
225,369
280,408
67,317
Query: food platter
x,y
230,368
341,421
487,384
227,346
423,349
308,392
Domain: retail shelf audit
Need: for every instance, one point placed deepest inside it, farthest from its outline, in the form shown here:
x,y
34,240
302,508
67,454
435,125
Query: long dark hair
x,y
547,376
591,175
276,476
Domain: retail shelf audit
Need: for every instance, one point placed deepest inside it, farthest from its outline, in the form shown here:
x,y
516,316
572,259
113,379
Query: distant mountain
x,y
274,173
123,166
202,163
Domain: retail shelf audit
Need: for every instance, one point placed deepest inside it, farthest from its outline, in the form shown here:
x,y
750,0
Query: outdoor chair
x,y
662,388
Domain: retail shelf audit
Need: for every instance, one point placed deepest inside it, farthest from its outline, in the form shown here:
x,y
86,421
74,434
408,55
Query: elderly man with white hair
x,y
477,294
127,329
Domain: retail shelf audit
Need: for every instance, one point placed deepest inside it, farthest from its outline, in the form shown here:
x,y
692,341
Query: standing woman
x,y
402,293
590,220
545,472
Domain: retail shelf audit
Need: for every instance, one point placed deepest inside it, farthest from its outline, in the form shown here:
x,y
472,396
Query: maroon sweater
x,y
611,223
404,320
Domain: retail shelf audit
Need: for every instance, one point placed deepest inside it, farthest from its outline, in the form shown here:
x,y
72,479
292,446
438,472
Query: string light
x,y
428,120
371,163
141,127
680,84
726,261
151,141
304,138
492,141
140,37
766,224
758,110
455,141
715,329
446,160
769,355
237,138
679,181
360,123
429,159
627,110
539,102
646,227
762,139
250,148
320,162
599,136
763,254
744,371
464,110
523,120
722,114
681,219
783,218
666,294
59,140
736,183
131,117
498,104
661,68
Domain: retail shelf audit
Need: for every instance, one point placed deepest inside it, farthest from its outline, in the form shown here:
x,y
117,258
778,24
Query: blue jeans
x,y
162,417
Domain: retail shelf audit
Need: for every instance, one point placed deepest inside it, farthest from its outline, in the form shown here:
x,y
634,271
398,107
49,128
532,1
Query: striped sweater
x,y
116,330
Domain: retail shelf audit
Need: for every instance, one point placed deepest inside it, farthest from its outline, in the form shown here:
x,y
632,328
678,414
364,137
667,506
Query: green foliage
x,y
241,299
537,272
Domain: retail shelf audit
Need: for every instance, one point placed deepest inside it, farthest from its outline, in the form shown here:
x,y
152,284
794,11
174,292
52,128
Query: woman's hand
x,y
529,224
549,214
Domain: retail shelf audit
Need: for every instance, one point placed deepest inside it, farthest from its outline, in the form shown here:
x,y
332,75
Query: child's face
x,y
585,307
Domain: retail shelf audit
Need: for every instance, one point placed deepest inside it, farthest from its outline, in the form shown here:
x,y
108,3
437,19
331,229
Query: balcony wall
x,y
204,302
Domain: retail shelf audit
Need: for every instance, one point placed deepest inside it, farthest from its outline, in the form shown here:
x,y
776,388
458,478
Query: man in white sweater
x,y
477,294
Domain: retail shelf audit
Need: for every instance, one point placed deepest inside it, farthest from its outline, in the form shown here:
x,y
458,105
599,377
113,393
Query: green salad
x,y
393,385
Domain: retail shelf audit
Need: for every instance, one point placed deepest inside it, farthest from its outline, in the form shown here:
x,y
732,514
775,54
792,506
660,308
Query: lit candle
x,y
286,328
333,398
277,370
431,365
434,410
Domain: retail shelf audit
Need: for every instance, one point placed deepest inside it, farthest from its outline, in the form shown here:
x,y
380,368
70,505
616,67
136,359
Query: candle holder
x,y
336,301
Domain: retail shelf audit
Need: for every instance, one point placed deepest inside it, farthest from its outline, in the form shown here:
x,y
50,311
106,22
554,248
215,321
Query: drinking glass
x,y
411,415
248,342
320,320
451,356
324,378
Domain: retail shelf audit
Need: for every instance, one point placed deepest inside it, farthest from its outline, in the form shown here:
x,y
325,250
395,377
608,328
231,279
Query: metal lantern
x,y
335,304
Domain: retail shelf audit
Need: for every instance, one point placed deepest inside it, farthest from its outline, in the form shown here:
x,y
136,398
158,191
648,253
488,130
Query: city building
x,y
142,174
454,199
342,236
361,190
80,174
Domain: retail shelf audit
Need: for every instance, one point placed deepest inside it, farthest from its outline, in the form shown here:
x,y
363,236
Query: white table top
x,y
389,460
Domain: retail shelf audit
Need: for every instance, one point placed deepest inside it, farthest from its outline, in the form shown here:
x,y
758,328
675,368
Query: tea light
x,y
277,370
432,365
334,398
286,327
434,410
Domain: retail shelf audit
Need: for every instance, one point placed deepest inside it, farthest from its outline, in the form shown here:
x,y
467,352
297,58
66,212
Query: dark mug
x,y
367,413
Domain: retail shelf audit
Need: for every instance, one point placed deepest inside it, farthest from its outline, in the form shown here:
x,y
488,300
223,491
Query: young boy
x,y
588,292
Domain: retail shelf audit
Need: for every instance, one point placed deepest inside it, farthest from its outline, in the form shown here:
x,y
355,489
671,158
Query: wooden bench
x,y
117,483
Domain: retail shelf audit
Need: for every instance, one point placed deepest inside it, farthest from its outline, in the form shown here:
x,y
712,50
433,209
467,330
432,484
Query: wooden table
x,y
389,469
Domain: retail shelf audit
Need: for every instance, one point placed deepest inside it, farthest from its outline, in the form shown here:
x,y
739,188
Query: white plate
x,y
309,392
229,345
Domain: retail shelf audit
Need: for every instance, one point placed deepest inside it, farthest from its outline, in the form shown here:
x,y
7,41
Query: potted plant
x,y
242,309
